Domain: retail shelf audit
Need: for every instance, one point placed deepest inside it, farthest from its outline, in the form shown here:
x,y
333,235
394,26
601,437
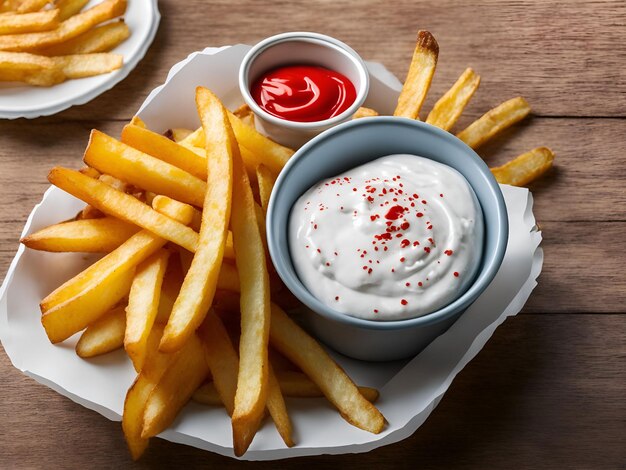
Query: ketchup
x,y
303,93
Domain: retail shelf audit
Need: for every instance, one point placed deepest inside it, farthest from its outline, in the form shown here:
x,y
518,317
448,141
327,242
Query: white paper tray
x,y
409,390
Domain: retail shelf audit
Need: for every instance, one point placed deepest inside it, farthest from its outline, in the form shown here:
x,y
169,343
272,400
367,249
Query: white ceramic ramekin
x,y
295,49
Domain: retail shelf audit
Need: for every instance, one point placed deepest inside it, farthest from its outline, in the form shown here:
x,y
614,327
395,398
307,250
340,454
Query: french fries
x,y
104,335
266,182
196,294
525,168
122,206
99,39
222,359
87,296
68,29
155,365
419,77
86,236
450,106
252,382
494,121
11,23
187,370
143,304
60,43
304,351
88,65
151,143
69,8
113,157
292,384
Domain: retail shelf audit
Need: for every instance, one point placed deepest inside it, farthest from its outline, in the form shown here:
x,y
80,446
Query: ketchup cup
x,y
301,48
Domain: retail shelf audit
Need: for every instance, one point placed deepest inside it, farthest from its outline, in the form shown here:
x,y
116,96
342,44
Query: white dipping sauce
x,y
396,238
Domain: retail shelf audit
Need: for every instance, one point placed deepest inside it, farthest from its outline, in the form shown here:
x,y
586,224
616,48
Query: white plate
x,y
409,390
16,101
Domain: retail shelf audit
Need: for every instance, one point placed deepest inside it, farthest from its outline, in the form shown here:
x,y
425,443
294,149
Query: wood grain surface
x,y
548,389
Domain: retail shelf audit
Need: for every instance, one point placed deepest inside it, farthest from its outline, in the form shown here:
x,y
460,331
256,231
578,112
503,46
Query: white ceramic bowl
x,y
301,48
350,145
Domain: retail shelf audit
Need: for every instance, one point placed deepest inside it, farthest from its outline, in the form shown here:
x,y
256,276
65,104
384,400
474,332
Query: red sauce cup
x,y
301,48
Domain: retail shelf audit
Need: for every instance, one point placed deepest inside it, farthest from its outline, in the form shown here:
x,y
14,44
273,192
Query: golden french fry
x,y
143,304
23,61
450,106
68,29
251,396
15,23
85,297
104,335
123,206
297,384
99,39
110,156
69,8
306,353
85,236
43,77
88,65
176,386
167,205
266,182
277,408
75,314
196,294
27,6
164,149
419,77
246,115
222,359
155,365
525,168
494,121
363,112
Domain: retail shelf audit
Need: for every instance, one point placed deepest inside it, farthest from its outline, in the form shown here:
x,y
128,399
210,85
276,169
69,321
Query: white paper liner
x,y
409,390
16,101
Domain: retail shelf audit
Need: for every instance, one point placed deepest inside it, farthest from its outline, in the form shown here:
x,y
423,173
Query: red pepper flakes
x,y
404,243
375,310
449,252
441,195
404,302
420,214
394,213
415,243
408,284
337,298
319,251
403,259
420,284
427,249
405,225
456,274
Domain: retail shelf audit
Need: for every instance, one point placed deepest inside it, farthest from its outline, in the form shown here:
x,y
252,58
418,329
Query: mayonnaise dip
x,y
396,238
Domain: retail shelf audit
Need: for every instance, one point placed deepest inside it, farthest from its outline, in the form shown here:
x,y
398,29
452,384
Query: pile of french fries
x,y
185,285
43,43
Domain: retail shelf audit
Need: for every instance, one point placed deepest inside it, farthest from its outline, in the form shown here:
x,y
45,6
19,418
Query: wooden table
x,y
548,389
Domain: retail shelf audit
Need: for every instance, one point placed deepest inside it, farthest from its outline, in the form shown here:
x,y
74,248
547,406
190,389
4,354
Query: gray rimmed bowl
x,y
352,144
